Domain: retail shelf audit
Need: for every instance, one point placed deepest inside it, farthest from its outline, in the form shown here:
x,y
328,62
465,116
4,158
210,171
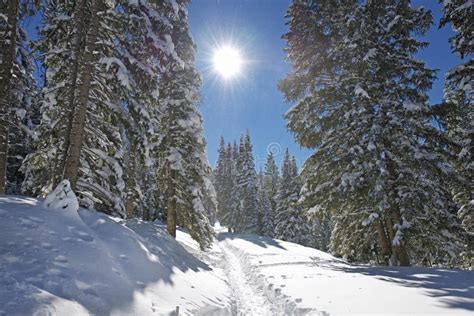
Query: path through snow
x,y
251,294
248,301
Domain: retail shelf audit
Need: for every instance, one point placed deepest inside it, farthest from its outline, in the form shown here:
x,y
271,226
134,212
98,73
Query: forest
x,y
105,97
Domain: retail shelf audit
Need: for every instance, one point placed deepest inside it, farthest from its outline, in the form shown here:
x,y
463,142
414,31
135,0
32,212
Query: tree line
x,y
265,202
105,98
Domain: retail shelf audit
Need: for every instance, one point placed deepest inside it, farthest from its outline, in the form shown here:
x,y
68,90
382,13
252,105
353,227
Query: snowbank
x,y
321,284
79,263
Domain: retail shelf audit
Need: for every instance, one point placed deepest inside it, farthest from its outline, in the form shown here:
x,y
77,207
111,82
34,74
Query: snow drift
x,y
63,262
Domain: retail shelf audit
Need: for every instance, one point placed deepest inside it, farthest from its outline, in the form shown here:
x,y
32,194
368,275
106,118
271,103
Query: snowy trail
x,y
248,301
252,295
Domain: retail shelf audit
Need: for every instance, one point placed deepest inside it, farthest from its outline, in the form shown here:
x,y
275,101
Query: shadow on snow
x,y
453,287
86,257
260,241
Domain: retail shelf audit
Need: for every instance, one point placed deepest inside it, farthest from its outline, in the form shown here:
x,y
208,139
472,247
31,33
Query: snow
x,y
371,53
62,198
85,262
320,284
411,106
360,92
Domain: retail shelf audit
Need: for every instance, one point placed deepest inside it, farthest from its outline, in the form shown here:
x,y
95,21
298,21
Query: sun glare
x,y
227,62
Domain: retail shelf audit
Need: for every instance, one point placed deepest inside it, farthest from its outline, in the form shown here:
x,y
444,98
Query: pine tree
x,y
100,104
79,135
223,182
143,22
290,223
24,112
8,42
266,212
360,99
458,112
270,180
184,173
233,217
243,217
248,188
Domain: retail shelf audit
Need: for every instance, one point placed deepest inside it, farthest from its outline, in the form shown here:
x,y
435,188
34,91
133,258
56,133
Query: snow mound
x,y
62,198
85,262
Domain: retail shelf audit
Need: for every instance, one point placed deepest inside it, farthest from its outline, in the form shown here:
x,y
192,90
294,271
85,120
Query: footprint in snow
x,y
26,223
124,257
81,234
116,271
36,219
46,245
60,258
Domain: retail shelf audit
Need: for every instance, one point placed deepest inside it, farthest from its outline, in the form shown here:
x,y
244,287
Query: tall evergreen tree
x,y
265,210
79,136
8,43
233,217
360,100
184,174
244,211
100,102
458,112
270,180
290,223
142,22
24,114
223,181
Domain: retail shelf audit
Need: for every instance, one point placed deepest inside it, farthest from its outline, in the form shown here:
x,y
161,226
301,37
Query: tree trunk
x,y
7,57
401,250
78,45
131,196
384,242
71,165
171,217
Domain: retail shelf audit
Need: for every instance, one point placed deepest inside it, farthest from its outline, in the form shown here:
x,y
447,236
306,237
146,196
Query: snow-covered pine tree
x,y
265,210
223,181
233,218
184,174
116,125
360,101
271,178
290,223
79,128
143,22
8,41
24,112
458,115
247,188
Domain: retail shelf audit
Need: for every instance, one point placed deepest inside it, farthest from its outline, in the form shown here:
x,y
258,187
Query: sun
x,y
227,62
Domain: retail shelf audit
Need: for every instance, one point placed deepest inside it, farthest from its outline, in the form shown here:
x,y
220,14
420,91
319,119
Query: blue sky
x,y
252,100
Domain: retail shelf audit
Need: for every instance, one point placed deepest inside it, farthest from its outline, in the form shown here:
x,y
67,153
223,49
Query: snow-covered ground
x,y
319,283
74,263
